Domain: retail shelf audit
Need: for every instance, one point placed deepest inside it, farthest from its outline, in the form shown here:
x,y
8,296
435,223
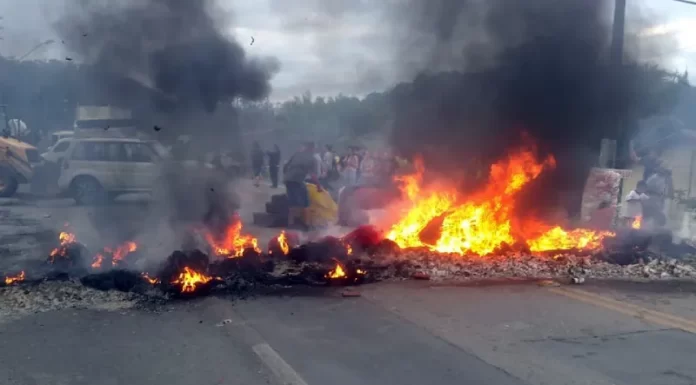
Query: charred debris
x,y
191,273
362,256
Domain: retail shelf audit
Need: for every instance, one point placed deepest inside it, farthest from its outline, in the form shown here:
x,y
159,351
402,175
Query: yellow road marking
x,y
657,317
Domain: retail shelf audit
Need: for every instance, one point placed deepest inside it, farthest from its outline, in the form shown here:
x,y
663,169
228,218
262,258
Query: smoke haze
x,y
176,46
537,66
180,50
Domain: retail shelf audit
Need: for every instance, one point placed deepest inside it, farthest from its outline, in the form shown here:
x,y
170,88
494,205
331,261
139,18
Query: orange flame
x,y
410,183
337,272
482,222
117,254
637,222
189,279
9,280
65,240
121,251
233,243
559,239
151,280
98,259
283,243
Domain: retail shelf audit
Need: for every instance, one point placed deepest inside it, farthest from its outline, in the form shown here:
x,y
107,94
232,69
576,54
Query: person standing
x,y
385,167
360,152
633,205
659,188
367,169
651,164
327,158
274,165
257,162
351,167
302,165
321,172
328,166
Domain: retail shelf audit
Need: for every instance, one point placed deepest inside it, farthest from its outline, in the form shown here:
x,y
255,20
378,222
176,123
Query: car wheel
x,y
88,191
8,184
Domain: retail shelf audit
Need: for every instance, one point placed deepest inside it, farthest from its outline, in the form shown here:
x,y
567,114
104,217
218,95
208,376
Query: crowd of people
x,y
326,168
331,169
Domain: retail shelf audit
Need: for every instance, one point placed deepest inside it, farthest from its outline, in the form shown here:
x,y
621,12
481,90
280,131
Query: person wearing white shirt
x,y
633,207
319,165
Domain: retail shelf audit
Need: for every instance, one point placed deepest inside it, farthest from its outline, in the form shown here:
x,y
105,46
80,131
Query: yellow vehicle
x,y
322,210
16,158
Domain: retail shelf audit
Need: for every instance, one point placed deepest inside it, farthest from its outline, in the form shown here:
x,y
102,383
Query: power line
x,y
686,2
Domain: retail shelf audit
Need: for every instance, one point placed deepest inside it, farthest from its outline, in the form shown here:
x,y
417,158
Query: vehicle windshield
x,y
61,146
159,149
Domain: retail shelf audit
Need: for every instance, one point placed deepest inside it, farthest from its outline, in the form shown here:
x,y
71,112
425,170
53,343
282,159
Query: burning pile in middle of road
x,y
65,250
435,232
13,279
485,222
231,242
193,272
364,255
115,256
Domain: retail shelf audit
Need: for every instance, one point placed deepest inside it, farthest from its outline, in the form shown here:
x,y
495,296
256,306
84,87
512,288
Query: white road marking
x,y
281,369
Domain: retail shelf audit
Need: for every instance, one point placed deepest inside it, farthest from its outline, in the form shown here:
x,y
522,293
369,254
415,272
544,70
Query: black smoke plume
x,y
172,63
535,66
176,47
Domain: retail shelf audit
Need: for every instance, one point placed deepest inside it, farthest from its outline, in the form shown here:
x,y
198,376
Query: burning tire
x,y
87,191
8,184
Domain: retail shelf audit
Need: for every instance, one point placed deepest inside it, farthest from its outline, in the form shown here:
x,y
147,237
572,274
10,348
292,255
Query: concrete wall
x,y
682,161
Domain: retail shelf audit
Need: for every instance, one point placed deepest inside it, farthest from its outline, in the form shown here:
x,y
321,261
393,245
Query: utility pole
x,y
620,148
617,42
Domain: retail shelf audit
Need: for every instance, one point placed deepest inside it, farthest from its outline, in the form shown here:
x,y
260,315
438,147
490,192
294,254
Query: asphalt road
x,y
408,333
29,226
394,333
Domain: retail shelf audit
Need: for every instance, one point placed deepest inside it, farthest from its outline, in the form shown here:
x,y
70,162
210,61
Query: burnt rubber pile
x,y
362,256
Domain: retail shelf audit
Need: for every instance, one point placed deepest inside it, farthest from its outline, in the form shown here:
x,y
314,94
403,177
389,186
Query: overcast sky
x,y
321,49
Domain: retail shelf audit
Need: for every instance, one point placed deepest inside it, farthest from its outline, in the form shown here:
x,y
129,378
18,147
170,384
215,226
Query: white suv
x,y
55,153
94,170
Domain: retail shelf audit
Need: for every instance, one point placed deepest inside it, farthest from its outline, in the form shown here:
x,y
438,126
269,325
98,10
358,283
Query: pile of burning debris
x,y
235,264
439,235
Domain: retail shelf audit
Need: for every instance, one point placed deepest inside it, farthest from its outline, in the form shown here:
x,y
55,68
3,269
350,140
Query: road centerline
x,y
653,316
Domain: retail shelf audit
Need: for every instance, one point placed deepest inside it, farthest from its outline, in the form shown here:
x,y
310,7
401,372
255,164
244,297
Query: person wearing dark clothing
x,y
301,165
257,162
651,164
274,164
